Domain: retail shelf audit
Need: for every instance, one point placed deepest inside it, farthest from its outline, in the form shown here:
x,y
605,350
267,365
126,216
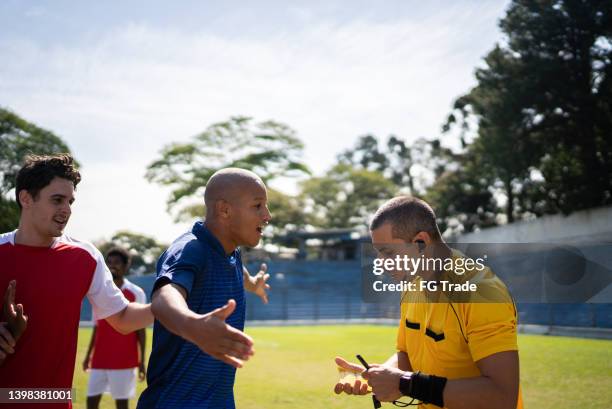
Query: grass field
x,y
293,368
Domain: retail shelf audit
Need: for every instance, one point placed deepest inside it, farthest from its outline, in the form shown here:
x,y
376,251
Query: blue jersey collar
x,y
202,233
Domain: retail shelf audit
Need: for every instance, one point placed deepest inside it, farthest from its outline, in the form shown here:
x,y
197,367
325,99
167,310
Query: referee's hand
x,y
358,387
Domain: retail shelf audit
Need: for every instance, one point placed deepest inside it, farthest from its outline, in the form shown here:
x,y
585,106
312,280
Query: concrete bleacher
x,y
328,291
586,234
301,290
322,290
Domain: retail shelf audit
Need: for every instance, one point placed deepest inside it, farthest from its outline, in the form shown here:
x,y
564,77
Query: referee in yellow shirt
x,y
449,354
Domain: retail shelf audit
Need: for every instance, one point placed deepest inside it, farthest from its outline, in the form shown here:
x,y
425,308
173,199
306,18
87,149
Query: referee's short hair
x,y
408,216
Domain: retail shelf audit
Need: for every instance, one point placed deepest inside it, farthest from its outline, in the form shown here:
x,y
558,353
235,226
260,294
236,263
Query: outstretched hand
x,y
220,340
259,284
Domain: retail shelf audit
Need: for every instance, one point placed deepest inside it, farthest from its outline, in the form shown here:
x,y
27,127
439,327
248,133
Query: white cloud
x,y
124,95
112,198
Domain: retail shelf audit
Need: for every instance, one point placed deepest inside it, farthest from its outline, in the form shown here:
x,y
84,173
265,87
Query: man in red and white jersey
x,y
116,356
53,273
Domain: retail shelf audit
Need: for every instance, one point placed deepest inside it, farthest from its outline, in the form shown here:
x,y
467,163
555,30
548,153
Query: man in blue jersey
x,y
198,299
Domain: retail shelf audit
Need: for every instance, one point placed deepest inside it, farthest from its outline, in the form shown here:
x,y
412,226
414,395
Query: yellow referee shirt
x,y
447,338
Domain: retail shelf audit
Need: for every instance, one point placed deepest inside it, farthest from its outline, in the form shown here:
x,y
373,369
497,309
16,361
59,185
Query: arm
x,y
89,349
133,317
257,284
142,341
498,384
109,303
397,360
489,327
496,388
208,331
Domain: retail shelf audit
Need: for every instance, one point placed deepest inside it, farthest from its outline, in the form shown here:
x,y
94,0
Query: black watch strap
x,y
405,384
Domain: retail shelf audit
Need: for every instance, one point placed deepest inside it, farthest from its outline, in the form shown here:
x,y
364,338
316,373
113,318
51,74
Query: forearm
x,y
132,318
91,342
478,393
142,341
399,360
171,310
496,388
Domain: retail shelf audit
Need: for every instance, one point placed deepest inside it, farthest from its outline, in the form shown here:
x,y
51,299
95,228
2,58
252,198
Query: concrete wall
x,y
583,226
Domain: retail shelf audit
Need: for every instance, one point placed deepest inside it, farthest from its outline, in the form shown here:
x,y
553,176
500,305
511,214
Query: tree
x,y
365,155
463,199
145,250
542,110
565,54
268,148
19,138
423,168
346,196
396,160
401,161
9,214
287,212
503,152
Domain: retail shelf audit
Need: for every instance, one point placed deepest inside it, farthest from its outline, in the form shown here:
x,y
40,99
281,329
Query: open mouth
x,y
260,229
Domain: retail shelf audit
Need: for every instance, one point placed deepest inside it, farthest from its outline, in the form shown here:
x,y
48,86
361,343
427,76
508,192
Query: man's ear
x,y
423,237
223,209
25,198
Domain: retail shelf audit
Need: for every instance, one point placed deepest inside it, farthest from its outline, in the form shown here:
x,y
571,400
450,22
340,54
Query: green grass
x,y
293,368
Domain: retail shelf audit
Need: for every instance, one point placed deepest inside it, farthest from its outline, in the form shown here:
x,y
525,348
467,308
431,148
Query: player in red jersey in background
x,y
115,356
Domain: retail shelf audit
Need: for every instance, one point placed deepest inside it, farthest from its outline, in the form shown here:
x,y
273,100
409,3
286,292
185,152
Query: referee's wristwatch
x,y
426,388
405,384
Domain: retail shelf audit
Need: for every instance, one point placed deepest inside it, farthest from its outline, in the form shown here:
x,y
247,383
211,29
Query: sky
x,y
120,80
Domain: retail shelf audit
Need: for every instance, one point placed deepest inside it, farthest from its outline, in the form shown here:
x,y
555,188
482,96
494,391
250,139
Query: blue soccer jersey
x,y
180,375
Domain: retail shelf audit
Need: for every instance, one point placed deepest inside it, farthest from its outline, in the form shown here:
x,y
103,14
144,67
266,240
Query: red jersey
x,y
113,350
51,284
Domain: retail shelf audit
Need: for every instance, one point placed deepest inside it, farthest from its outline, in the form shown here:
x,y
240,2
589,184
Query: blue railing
x,y
315,290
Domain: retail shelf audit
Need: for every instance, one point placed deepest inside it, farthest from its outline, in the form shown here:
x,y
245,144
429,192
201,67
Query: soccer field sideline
x,y
293,368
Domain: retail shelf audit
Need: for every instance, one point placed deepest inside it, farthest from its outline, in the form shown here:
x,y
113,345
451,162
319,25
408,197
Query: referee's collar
x,y
202,233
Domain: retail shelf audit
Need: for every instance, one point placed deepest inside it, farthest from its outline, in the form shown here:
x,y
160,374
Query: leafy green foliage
x,y
542,113
287,211
19,138
346,196
268,148
145,250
